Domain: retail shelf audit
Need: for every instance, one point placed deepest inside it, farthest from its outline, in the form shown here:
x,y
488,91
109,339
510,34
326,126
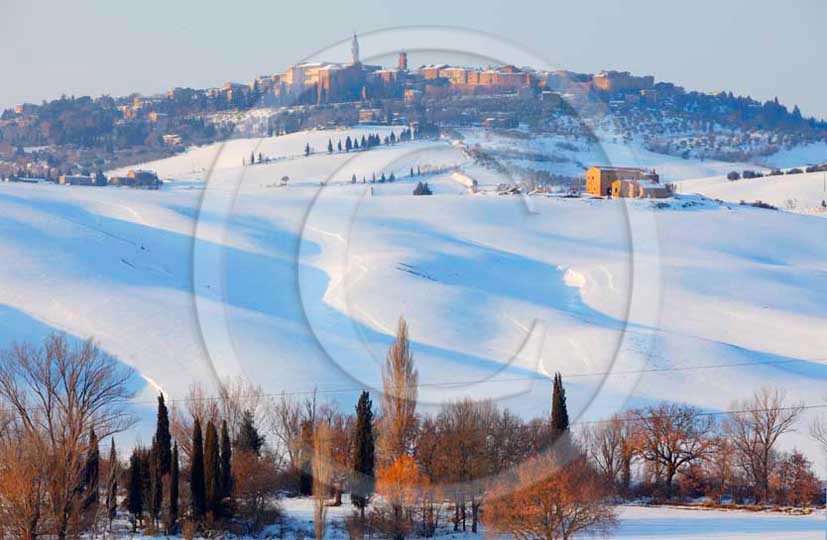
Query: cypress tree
x,y
198,495
559,412
163,438
249,438
91,473
363,454
212,470
155,500
226,461
112,485
135,495
329,146
172,503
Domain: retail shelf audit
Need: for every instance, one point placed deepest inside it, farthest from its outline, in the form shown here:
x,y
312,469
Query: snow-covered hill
x,y
301,286
804,193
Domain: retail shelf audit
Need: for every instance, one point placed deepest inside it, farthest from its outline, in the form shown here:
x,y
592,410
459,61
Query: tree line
x,y
221,462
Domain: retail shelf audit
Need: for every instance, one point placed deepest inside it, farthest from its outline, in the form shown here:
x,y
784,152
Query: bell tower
x,y
354,50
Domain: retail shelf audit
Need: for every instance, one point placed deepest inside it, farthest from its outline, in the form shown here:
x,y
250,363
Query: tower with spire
x,y
354,50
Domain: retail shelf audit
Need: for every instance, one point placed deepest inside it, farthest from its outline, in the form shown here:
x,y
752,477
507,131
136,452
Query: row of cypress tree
x,y
153,478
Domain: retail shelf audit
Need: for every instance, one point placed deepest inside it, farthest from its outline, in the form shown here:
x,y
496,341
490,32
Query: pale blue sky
x,y
761,48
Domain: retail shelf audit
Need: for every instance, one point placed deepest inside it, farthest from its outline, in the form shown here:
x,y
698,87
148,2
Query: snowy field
x,y
301,286
804,193
634,523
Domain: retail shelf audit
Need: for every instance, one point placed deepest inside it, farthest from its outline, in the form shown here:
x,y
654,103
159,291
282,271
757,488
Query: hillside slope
x,y
301,286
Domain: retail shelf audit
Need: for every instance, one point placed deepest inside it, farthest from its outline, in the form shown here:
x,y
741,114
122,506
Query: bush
x,y
759,204
795,171
732,176
422,189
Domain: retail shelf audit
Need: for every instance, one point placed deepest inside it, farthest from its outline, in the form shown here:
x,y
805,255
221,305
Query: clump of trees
x,y
422,189
680,451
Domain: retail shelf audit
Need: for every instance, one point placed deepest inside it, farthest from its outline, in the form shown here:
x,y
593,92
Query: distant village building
x,y
600,180
618,81
172,139
76,180
639,189
137,179
413,96
371,116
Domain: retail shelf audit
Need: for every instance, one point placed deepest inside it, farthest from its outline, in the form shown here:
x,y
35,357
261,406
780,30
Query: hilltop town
x,y
83,135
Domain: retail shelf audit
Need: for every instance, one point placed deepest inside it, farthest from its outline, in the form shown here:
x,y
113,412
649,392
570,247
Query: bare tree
x,y
399,382
818,431
672,436
226,402
604,443
464,429
23,487
286,425
322,476
56,395
754,430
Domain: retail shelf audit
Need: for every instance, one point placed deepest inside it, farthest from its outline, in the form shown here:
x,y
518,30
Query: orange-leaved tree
x,y
551,500
400,485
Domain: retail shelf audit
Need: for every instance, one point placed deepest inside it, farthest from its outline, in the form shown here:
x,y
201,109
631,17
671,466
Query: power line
x,y
455,383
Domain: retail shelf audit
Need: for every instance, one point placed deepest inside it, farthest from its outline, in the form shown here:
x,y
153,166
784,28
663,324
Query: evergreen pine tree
x,y
155,501
339,146
411,175
172,503
226,462
363,454
135,495
112,485
163,438
198,496
559,412
249,438
212,470
91,473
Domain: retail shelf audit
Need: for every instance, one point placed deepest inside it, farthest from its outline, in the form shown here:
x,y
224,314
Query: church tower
x,y
354,50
